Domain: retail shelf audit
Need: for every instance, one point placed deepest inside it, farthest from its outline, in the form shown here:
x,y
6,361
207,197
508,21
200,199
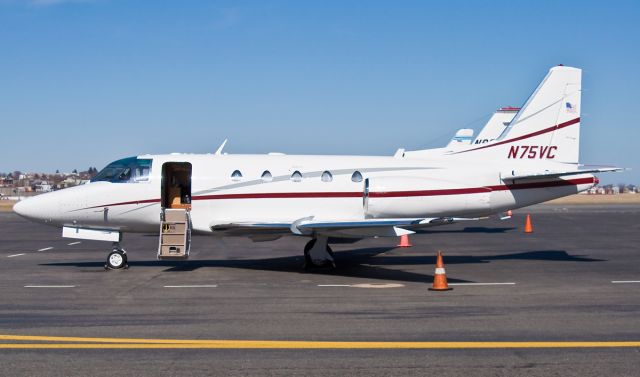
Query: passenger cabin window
x,y
296,176
356,176
127,170
236,175
266,176
326,176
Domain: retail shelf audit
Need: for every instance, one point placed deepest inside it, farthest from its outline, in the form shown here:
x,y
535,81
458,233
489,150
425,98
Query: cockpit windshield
x,y
130,169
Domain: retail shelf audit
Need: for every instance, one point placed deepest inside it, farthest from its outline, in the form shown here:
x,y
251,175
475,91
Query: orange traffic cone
x,y
528,228
404,241
440,277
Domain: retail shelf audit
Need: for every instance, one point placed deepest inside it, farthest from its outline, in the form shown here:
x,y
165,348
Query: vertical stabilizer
x,y
463,137
496,125
547,127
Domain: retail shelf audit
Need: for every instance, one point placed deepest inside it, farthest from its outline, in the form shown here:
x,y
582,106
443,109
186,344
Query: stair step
x,y
175,234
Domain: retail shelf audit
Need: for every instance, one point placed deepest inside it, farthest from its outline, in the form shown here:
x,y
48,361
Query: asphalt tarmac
x,y
575,279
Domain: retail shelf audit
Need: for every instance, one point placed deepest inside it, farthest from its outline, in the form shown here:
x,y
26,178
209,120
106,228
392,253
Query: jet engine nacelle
x,y
423,197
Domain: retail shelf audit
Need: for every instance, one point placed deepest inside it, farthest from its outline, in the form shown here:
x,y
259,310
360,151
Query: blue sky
x,y
83,83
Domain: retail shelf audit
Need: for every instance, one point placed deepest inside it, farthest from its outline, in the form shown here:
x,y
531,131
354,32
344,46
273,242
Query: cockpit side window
x,y
127,170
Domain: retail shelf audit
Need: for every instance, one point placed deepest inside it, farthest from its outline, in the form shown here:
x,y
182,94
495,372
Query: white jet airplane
x,y
265,197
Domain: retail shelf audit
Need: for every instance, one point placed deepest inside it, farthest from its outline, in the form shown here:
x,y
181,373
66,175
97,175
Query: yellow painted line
x,y
114,343
322,345
97,340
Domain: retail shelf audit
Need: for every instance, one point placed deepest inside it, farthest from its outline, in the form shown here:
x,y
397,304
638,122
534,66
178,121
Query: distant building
x,y
6,181
43,186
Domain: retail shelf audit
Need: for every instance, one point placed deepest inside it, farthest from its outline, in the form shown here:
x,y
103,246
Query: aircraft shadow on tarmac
x,y
369,263
475,229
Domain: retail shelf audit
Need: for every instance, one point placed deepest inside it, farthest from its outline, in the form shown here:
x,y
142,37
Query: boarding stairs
x,y
175,234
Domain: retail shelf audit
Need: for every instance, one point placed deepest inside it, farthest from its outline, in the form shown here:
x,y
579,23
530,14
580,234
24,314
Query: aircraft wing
x,y
351,228
555,174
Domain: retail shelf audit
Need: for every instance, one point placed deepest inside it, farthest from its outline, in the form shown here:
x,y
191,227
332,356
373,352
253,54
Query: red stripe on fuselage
x,y
480,190
378,194
399,194
280,195
145,201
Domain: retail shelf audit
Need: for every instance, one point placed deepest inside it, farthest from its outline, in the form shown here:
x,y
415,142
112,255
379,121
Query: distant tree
x,y
75,171
57,171
36,176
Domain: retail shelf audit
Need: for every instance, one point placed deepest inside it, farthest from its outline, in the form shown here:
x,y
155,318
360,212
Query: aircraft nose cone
x,y
23,208
31,209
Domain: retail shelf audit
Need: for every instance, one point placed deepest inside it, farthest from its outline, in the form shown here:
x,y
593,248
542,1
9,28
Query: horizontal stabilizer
x,y
554,174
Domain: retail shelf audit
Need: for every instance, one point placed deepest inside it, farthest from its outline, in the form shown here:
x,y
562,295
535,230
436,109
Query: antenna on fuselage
x,y
221,147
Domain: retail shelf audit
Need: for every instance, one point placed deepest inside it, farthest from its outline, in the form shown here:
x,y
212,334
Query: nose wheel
x,y
117,259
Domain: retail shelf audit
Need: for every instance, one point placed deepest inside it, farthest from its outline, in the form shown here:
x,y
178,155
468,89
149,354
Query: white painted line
x,y
74,243
625,281
14,255
378,285
46,248
334,285
49,286
482,283
192,286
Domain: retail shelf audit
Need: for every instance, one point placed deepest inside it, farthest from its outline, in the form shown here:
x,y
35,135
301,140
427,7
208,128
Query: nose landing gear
x,y
117,258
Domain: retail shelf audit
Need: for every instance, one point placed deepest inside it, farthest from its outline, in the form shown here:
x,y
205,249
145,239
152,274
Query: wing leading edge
x,y
353,228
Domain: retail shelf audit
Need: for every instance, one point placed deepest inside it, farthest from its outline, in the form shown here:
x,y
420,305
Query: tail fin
x,y
463,137
496,125
547,127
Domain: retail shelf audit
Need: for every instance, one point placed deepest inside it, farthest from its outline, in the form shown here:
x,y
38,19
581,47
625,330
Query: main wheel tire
x,y
116,260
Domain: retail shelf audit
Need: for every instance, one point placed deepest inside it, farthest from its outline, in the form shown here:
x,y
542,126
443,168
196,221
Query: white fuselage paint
x,y
398,187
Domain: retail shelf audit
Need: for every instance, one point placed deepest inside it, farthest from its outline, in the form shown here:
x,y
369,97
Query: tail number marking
x,y
532,151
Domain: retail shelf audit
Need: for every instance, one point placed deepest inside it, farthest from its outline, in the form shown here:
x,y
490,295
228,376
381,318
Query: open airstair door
x,y
175,218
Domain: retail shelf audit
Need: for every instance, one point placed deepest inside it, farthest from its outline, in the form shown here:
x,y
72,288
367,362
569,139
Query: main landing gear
x,y
117,258
318,254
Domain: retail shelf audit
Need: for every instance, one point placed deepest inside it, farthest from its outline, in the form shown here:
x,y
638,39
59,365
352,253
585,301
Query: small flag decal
x,y
570,108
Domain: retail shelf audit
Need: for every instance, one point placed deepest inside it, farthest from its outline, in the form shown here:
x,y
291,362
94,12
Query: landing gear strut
x,y
318,254
117,258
